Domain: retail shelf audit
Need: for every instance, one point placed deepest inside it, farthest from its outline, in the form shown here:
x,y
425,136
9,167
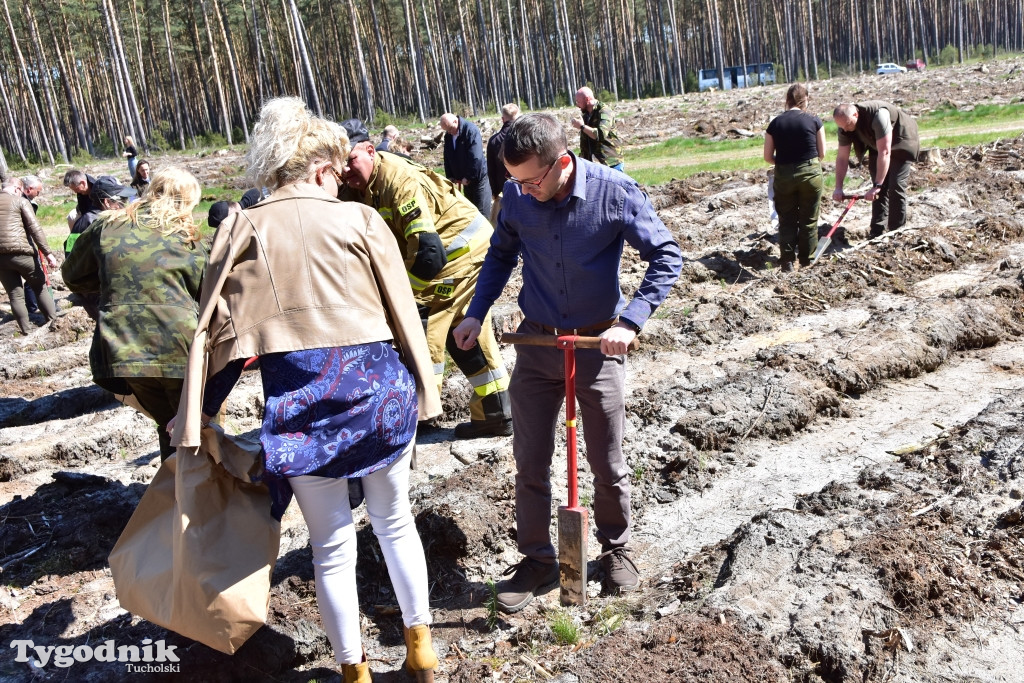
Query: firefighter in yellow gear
x,y
445,239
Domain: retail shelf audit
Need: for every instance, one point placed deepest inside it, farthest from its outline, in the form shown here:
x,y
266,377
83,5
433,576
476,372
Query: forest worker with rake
x,y
889,135
568,219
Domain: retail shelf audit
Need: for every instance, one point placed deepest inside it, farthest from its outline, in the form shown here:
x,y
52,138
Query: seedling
x,y
492,605
610,617
564,628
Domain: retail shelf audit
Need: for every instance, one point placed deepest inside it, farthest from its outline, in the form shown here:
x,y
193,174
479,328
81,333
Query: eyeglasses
x,y
334,172
537,183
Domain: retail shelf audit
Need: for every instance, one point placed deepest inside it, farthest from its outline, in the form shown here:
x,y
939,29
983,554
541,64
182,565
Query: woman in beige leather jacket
x,y
316,288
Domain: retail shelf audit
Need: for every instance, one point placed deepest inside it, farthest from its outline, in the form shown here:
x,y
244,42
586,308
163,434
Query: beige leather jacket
x,y
17,223
301,270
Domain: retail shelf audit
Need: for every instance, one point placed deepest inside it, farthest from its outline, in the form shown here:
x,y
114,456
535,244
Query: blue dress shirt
x,y
571,251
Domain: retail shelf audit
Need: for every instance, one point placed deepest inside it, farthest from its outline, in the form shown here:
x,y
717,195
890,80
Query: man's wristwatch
x,y
877,184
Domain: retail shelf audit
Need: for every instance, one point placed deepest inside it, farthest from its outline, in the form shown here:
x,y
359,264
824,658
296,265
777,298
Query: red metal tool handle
x,y
853,200
569,343
570,417
42,264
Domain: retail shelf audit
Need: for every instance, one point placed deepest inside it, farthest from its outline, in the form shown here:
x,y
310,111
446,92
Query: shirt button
x,y
556,237
558,265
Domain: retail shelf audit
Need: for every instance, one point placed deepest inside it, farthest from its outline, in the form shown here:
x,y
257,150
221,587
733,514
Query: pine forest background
x,y
79,75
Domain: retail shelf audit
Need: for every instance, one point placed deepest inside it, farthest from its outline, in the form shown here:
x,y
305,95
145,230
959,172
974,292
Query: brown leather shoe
x,y
477,429
620,573
530,578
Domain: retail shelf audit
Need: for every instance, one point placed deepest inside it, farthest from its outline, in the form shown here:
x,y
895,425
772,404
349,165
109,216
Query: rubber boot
x,y
356,673
420,660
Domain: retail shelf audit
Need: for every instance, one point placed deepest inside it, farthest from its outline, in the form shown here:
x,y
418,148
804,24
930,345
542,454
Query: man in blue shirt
x,y
568,219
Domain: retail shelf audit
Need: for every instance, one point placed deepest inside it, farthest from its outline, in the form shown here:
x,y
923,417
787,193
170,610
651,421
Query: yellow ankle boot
x,y
420,660
356,673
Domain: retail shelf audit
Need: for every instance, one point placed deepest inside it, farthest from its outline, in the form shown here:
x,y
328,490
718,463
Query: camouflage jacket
x,y
605,149
148,286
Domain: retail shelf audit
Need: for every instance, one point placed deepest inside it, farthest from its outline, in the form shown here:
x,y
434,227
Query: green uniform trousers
x,y
798,189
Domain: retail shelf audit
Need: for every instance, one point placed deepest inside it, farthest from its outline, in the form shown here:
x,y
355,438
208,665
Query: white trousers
x,y
325,507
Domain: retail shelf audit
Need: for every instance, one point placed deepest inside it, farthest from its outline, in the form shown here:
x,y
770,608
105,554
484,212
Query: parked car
x,y
890,68
916,65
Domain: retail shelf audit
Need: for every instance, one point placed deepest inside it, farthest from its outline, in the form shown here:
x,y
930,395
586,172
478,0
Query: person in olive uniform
x,y
889,135
596,124
444,238
795,143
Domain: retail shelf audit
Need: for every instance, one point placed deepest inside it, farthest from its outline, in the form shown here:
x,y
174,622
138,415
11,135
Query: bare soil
x,y
826,464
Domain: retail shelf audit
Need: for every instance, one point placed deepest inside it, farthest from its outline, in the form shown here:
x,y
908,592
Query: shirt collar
x,y
579,187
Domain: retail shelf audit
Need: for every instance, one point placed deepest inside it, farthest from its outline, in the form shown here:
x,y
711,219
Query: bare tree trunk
x,y
960,30
172,66
226,37
133,106
468,81
307,67
367,95
273,47
10,120
387,81
716,40
45,77
224,111
28,86
810,31
739,39
413,58
828,42
143,72
78,85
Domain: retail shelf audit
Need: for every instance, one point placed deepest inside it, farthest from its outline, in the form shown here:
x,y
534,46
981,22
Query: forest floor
x,y
828,465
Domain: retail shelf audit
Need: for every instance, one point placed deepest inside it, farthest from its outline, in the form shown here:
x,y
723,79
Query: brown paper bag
x,y
197,554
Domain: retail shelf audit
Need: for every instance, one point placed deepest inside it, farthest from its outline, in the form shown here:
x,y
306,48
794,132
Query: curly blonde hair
x,y
168,204
288,140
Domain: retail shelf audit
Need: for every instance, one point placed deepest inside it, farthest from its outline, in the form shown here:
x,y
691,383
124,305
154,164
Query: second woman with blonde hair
x,y
146,264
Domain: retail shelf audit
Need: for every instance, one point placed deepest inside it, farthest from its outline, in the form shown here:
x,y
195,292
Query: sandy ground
x,y
826,464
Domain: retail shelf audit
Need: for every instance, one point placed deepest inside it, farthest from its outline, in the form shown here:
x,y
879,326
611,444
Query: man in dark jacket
x,y
889,135
496,173
464,160
81,184
105,194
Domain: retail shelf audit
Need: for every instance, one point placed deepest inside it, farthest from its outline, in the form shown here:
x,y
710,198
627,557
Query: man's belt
x,y
586,331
